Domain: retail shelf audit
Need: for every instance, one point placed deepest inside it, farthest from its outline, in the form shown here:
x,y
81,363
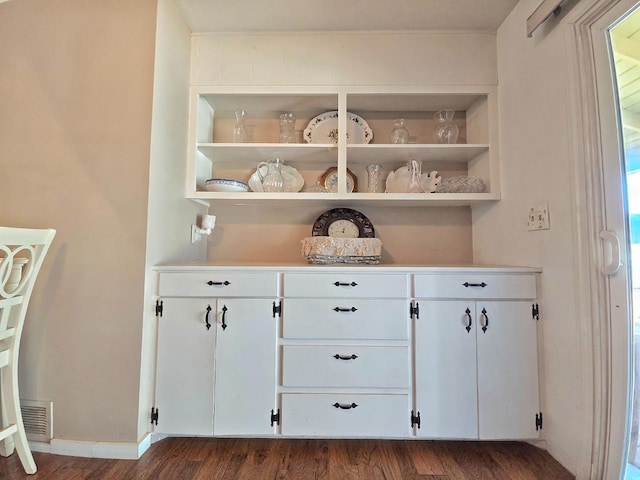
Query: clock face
x,y
343,222
343,228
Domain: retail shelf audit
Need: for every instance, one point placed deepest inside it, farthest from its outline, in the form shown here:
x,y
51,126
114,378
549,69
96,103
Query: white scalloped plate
x,y
324,129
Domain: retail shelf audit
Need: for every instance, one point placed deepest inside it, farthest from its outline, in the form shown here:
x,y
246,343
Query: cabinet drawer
x,y
360,415
360,319
345,366
341,285
218,284
475,285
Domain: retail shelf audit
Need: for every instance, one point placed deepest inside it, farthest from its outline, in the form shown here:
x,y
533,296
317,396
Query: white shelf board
x,y
378,153
351,199
410,102
262,103
248,155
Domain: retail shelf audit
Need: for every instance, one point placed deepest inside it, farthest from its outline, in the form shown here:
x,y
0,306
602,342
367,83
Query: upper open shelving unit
x,y
213,154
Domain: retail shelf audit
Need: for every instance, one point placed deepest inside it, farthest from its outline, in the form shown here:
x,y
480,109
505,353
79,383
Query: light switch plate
x,y
538,218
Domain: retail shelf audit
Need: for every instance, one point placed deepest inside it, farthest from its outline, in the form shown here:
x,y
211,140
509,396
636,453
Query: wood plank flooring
x,y
303,459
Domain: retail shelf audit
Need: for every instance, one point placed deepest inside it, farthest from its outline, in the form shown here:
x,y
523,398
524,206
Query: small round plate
x,y
340,222
225,185
329,180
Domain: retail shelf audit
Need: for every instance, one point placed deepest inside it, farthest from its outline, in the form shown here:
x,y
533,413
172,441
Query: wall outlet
x,y
538,218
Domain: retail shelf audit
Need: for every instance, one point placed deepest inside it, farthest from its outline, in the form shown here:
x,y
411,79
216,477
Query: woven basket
x,y
328,250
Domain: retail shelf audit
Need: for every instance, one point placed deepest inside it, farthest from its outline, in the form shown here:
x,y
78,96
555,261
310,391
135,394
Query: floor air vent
x,y
37,417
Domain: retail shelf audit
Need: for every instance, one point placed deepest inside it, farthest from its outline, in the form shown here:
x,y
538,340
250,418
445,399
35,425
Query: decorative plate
x,y
225,185
329,180
324,129
293,181
343,223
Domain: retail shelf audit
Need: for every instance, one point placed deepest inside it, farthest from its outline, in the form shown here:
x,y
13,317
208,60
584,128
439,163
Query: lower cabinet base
x,y
345,415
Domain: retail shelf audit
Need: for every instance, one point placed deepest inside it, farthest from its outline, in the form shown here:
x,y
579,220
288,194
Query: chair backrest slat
x,y
6,310
22,252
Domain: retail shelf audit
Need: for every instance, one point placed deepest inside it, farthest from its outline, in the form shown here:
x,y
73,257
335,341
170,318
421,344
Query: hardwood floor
x,y
302,459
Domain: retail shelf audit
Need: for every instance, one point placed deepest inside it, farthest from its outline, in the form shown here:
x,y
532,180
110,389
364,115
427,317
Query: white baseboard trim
x,y
74,448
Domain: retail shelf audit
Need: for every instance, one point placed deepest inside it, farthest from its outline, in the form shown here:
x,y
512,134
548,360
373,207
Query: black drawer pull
x,y
225,283
352,309
206,318
486,320
467,284
345,406
345,284
337,356
224,316
468,314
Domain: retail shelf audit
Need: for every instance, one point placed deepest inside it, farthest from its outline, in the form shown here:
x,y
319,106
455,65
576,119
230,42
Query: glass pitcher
x,y
272,180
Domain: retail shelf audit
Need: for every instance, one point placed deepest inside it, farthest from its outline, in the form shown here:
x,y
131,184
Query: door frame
x,y
600,428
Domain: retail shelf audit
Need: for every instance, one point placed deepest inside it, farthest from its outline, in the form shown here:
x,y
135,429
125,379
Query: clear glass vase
x,y
399,134
373,178
287,126
240,130
446,131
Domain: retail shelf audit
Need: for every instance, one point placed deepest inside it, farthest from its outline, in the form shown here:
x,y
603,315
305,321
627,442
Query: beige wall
x,y
76,83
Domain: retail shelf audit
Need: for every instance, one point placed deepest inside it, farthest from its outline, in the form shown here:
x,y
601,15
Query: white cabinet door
x,y
445,369
481,383
507,370
184,372
245,379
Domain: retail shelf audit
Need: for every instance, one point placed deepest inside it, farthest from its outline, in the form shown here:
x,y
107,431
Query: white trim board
x,y
73,448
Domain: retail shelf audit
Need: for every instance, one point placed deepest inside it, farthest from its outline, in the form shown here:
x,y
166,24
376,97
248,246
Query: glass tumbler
x,y
287,125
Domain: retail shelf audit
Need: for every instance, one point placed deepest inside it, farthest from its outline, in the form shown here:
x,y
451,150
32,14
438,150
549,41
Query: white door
x,y
615,265
184,371
245,379
445,370
508,400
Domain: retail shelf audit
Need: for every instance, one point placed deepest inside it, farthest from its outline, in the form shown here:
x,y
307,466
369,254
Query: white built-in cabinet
x,y
345,354
476,356
348,351
216,353
213,154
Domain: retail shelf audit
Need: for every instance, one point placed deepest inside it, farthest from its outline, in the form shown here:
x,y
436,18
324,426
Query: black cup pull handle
x,y
345,406
345,284
486,321
224,317
218,284
337,356
206,317
468,313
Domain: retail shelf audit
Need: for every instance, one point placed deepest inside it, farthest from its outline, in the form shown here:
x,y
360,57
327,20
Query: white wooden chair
x,y
22,252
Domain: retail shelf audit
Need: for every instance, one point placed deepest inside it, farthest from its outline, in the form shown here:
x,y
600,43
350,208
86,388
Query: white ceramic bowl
x,y
225,185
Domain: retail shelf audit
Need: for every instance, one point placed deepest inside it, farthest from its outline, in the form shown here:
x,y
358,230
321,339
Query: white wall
x,y
75,114
535,168
170,213
330,58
